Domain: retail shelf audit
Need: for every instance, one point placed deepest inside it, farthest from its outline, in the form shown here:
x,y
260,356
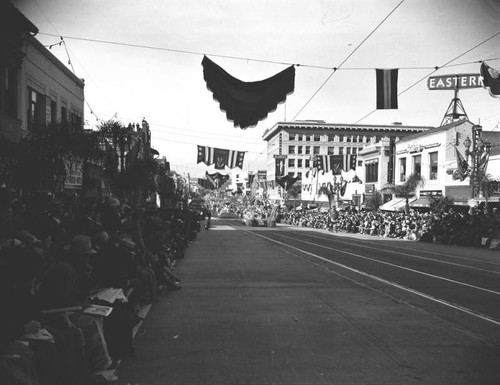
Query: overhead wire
x,y
437,68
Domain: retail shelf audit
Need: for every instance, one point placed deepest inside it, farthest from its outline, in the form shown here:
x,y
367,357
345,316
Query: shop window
x,y
371,172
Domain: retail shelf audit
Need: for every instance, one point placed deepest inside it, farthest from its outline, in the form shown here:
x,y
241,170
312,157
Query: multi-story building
x,y
36,88
298,142
433,155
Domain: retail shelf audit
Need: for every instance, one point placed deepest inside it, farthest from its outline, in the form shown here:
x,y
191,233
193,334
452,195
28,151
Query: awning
x,y
396,204
389,206
423,201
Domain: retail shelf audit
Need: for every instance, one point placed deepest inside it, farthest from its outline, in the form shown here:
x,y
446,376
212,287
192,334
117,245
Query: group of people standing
x,y
74,277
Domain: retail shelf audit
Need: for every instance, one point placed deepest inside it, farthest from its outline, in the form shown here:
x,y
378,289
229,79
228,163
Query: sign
x,y
414,147
457,81
279,156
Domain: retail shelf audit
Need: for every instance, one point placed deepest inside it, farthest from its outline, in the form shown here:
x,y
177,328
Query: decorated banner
x,y
335,163
220,158
245,103
387,89
217,179
286,181
279,167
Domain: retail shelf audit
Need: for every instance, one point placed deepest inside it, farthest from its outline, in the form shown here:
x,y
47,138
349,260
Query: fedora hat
x,y
80,244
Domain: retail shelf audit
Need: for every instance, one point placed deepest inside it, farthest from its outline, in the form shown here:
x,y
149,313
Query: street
x,y
291,305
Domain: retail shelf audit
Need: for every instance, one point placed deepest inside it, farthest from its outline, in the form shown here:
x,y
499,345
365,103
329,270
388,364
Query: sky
x,y
142,59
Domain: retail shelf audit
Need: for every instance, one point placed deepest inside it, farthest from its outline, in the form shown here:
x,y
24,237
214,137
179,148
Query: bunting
x,y
220,158
387,89
335,163
491,79
246,103
287,181
217,179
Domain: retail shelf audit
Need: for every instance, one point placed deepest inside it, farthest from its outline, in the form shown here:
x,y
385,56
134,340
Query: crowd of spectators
x,y
476,227
74,278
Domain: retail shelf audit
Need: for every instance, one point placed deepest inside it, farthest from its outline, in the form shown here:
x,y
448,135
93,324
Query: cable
x,y
437,68
237,57
347,58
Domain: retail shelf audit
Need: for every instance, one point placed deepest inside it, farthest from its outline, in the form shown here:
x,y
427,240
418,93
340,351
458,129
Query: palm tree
x,y
407,189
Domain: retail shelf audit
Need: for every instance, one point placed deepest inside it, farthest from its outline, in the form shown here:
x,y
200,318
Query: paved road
x,y
296,306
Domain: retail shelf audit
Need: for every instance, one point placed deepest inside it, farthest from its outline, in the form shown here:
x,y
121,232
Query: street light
x,y
480,148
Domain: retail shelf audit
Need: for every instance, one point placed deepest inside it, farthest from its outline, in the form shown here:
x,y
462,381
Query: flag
x,y
491,79
387,89
462,166
349,162
236,159
246,103
221,158
287,181
279,167
205,155
251,178
217,179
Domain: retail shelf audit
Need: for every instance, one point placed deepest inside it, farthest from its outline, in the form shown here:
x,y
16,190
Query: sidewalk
x,y
249,313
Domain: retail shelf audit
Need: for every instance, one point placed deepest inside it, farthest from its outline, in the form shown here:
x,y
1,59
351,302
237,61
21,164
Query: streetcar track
x,y
385,281
413,255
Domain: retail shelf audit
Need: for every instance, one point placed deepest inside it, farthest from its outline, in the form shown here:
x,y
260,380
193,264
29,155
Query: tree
x,y
407,189
294,191
329,192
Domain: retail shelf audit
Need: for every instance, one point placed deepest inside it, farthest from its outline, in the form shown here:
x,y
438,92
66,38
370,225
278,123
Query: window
x,y
8,91
53,111
316,150
349,138
307,163
354,150
417,164
291,150
348,150
64,114
291,136
299,163
331,150
433,165
307,138
355,138
402,169
371,171
341,137
341,150
308,150
36,109
317,137
76,121
291,162
331,137
299,149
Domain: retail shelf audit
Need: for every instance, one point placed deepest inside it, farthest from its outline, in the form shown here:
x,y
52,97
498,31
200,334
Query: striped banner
x,y
387,89
220,157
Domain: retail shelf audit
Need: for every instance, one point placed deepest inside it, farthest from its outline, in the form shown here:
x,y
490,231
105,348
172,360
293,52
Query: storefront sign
x,y
451,82
279,156
414,147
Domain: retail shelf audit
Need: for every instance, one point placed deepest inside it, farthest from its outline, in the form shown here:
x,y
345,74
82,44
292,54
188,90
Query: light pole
x,y
336,186
479,156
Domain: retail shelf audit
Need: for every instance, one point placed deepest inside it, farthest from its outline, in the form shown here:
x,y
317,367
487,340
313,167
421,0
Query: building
x,y
36,88
433,155
298,142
